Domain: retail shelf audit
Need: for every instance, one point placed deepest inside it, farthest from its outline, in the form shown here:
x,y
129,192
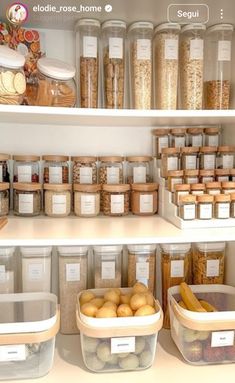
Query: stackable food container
x,y
205,338
27,342
121,343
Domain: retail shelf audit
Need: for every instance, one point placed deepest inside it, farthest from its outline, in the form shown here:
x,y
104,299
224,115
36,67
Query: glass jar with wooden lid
x,y
206,176
26,168
198,189
180,190
111,170
208,157
232,175
86,200
191,176
84,169
228,187
161,139
139,169
187,207
4,198
175,177
232,205
27,199
212,136
4,167
222,206
222,175
57,200
213,188
170,160
55,169
225,157
116,199
144,198
178,137
189,158
205,204
195,136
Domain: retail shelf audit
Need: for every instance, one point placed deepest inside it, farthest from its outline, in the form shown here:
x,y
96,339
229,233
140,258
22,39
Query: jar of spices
x,y
195,136
198,189
222,175
8,278
222,206
178,137
232,175
26,199
113,38
192,65
138,169
189,158
187,207
232,205
208,263
26,168
144,198
170,160
180,190
175,177
191,176
84,169
87,58
4,167
56,169
4,199
116,199
160,141
206,176
208,157
213,188
228,187
212,136
73,272
142,265
86,200
57,200
166,52
140,47
107,266
111,170
225,157
205,204
13,82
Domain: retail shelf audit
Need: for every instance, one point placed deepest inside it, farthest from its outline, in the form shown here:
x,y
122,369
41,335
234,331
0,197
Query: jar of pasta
x,y
57,200
222,175
4,198
4,167
205,205
56,169
116,199
189,158
208,263
208,157
206,176
111,170
195,136
144,198
161,139
191,176
86,200
174,177
225,157
26,199
178,137
26,168
222,206
198,189
170,160
84,169
213,188
212,136
139,169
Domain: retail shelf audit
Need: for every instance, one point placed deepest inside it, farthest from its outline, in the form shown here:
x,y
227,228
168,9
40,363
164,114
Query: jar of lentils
x,y
84,169
4,198
27,199
4,167
116,199
56,169
26,168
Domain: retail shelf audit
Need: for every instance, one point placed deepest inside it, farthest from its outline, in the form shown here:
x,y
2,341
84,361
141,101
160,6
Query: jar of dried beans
x,y
107,266
116,199
84,169
26,168
86,200
56,169
144,198
4,167
26,199
139,169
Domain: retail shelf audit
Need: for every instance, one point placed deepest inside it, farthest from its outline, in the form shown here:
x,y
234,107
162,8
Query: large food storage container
x,y
139,169
87,58
205,337
84,169
113,39
208,263
27,342
107,262
4,198
119,344
55,169
72,279
4,167
57,200
26,199
218,66
8,270
26,168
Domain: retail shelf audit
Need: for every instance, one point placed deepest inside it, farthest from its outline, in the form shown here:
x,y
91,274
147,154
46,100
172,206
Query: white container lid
x,y
141,248
36,251
7,251
108,249
72,250
196,27
176,247
56,68
87,22
167,26
114,23
220,27
10,58
211,246
141,24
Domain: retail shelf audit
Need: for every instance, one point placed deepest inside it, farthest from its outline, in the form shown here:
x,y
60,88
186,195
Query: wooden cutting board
x,y
3,222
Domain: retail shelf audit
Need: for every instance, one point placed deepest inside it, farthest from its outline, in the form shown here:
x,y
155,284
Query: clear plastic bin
x,y
8,270
107,266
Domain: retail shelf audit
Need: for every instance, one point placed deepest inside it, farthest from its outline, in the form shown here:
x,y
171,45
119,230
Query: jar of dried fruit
x,y
26,168
84,169
55,169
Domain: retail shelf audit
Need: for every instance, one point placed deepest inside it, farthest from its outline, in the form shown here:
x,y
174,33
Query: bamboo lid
x,y
175,173
111,158
170,150
4,185
187,198
198,187
116,188
57,187
87,188
228,185
139,158
190,149
208,149
55,158
226,149
33,186
84,159
145,187
191,172
223,172
4,157
222,198
160,132
213,185
205,198
195,130
26,158
206,173
182,187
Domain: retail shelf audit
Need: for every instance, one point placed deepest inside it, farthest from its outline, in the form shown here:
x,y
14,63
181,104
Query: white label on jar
x,y
86,175
146,203
180,193
35,271
227,161
196,49
197,140
122,345
139,174
142,270
190,211
175,181
72,272
179,142
212,268
89,46
214,192
108,270
209,161
172,163
230,191
224,50
2,273
117,204
55,175
212,140
24,173
177,269
205,211
87,204
222,338
223,178
26,203
233,178
192,180
115,48
59,204
191,162
163,142
207,179
171,49
1,173
197,192
112,175
223,210
13,353
143,49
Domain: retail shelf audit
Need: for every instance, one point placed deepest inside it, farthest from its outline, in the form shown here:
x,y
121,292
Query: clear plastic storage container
x,y
139,169
55,169
26,199
57,200
4,167
208,263
115,199
4,198
107,266
161,139
8,272
86,200
111,170
26,168
84,169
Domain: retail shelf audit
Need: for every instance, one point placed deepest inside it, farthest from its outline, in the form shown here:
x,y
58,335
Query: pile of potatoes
x,y
139,302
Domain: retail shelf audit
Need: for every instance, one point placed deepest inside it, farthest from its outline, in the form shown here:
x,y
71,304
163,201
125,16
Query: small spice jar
x,y
228,187
175,177
208,263
160,140
4,199
205,206
26,168
56,169
57,200
208,157
144,198
212,136
4,167
206,176
187,207
232,205
138,169
225,157
198,189
189,158
213,188
191,176
111,170
222,206
86,200
116,199
222,175
107,266
180,190
232,175
195,136
178,137
26,199
170,160
84,169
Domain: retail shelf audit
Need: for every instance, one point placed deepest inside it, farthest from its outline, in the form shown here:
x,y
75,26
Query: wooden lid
x,y
87,188
187,198
208,149
84,159
222,198
205,198
232,196
27,186
170,150
176,131
160,132
145,187
57,187
208,173
211,130
190,149
213,185
26,158
198,187
191,172
4,185
182,187
175,173
55,158
232,171
223,172
4,157
139,158
111,158
226,149
116,188
195,130
228,185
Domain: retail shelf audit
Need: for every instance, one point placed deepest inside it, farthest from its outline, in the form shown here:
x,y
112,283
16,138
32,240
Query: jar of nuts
x,y
139,169
113,38
84,169
4,167
57,200
107,266
86,200
26,199
56,169
13,82
116,199
111,170
26,168
144,198
140,46
4,198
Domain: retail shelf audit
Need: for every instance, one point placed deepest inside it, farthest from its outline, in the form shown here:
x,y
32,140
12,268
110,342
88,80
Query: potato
x,y
145,310
139,344
85,297
90,344
137,301
112,305
122,355
94,363
131,362
112,296
146,358
125,298
104,352
124,310
98,302
150,298
89,309
106,312
139,287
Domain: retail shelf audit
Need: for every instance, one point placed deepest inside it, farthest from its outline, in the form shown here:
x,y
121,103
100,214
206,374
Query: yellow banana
x,y
189,299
